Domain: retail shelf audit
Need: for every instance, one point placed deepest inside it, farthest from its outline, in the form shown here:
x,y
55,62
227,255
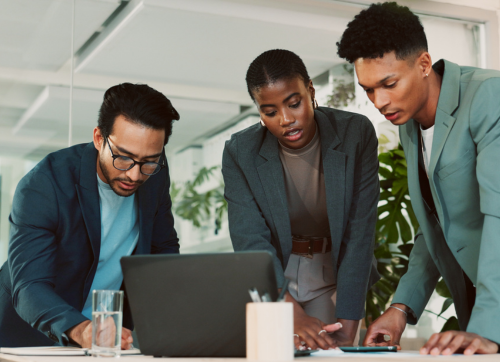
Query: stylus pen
x,y
284,288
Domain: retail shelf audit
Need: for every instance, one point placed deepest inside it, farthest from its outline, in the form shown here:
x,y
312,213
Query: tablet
x,y
370,349
304,353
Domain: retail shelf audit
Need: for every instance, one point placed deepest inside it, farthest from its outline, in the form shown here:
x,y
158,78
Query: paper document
x,y
55,351
327,353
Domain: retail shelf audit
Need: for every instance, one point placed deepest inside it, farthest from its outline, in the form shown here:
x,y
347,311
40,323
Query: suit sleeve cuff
x,y
411,316
59,330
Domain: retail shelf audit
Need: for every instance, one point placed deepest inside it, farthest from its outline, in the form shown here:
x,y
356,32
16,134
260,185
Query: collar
x,y
449,95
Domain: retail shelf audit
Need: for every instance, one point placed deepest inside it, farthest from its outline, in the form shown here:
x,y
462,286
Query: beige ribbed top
x,y
305,189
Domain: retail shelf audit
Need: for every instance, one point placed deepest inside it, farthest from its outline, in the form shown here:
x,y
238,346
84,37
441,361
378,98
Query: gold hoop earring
x,y
262,123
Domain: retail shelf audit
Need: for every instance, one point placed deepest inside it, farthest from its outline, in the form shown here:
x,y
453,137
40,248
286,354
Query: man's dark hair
x,y
274,65
380,29
140,104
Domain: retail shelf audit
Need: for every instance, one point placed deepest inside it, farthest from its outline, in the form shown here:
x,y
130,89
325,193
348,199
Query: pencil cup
x,y
270,331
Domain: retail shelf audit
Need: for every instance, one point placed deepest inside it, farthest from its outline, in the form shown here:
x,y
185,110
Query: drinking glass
x,y
107,314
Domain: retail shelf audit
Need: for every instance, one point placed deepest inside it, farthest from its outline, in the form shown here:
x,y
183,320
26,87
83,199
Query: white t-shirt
x,y
427,137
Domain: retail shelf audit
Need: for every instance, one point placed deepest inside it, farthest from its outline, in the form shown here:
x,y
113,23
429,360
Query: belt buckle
x,y
310,249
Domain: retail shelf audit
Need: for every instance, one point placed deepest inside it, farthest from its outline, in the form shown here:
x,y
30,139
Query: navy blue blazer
x,y
55,240
258,208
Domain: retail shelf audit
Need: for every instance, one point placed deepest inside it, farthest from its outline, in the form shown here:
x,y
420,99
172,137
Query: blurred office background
x,y
57,57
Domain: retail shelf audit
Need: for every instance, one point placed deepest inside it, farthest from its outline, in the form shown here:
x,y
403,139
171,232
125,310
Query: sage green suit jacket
x,y
464,177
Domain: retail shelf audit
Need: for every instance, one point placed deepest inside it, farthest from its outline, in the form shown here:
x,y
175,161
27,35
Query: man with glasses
x,y
78,212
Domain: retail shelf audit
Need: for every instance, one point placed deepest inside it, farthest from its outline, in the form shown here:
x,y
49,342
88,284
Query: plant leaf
x,y
406,249
385,173
404,228
442,289
447,303
451,325
399,152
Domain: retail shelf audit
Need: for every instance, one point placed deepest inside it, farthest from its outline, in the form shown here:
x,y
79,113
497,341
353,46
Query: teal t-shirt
x,y
119,237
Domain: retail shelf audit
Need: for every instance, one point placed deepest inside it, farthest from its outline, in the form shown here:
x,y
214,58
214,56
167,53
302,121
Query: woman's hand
x,y
313,332
309,331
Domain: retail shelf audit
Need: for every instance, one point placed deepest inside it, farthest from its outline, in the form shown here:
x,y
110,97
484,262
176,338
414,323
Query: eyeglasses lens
x,y
123,163
150,168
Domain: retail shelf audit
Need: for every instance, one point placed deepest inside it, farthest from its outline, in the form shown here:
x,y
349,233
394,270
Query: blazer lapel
x,y
447,104
272,179
442,127
334,163
88,196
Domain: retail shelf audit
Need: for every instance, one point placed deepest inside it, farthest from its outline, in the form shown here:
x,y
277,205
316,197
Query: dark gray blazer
x,y
258,211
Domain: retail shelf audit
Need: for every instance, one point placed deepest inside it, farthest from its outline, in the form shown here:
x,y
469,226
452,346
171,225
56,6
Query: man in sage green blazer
x,y
450,132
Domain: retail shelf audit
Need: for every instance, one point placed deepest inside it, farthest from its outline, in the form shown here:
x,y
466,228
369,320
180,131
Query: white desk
x,y
348,357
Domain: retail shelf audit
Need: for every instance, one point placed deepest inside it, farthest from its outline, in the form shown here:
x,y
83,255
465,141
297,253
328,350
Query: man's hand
x,y
309,329
126,338
450,342
82,334
391,323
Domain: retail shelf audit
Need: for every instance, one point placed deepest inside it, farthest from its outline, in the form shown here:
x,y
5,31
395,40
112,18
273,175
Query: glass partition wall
x,y
35,52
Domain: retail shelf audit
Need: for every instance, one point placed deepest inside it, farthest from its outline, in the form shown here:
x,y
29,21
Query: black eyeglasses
x,y
124,163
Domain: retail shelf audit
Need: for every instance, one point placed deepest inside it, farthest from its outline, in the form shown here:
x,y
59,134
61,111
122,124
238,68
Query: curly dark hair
x,y
139,103
380,29
274,65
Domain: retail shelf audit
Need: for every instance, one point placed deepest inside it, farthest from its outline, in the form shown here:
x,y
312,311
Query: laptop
x,y
194,305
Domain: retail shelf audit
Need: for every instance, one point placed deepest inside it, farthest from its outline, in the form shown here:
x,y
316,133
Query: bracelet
x,y
406,314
